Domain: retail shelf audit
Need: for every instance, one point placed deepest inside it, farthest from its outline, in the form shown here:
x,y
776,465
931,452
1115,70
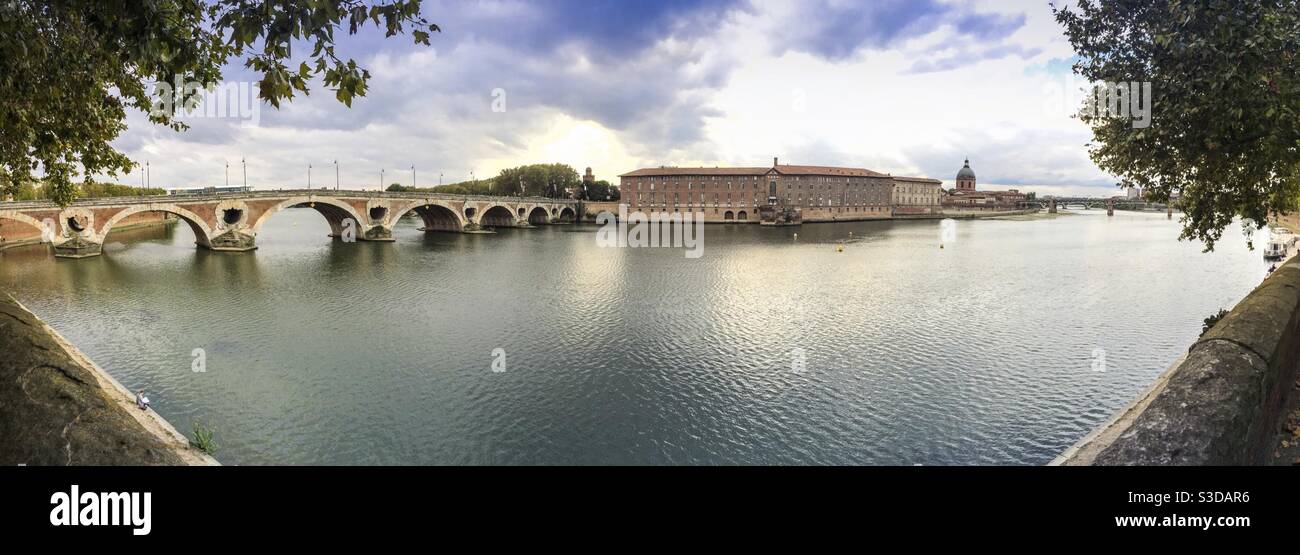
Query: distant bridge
x,y
1086,203
232,221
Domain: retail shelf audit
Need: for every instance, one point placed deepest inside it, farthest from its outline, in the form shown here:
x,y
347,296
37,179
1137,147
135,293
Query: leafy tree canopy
x,y
600,190
1224,133
536,180
69,69
33,190
532,180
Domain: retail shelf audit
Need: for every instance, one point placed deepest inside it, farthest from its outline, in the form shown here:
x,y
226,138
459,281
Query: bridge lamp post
x,y
412,176
309,176
244,163
439,179
336,174
148,177
381,179
227,174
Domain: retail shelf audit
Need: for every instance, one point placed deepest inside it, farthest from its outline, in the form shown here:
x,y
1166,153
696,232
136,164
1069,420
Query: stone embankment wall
x,y
1223,402
58,408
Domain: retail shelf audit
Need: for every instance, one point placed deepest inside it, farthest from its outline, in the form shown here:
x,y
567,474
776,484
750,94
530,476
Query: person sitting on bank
x,y
141,401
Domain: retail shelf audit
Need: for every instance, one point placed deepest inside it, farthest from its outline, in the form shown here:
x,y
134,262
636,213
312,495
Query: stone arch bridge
x,y
232,221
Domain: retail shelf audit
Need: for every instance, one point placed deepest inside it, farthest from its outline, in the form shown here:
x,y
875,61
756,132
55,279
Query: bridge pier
x,y
377,233
231,241
1051,209
78,247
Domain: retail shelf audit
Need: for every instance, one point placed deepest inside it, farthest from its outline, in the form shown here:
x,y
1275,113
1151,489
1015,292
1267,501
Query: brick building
x,y
917,195
817,193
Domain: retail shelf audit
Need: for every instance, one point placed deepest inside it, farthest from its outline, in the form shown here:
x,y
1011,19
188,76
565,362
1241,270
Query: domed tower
x,y
966,178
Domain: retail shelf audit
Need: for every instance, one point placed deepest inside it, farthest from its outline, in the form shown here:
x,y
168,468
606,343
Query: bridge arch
x,y
437,216
539,216
13,215
202,233
334,210
497,215
566,215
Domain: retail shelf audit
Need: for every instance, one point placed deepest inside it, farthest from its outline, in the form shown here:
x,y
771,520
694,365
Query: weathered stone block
x,y
1204,416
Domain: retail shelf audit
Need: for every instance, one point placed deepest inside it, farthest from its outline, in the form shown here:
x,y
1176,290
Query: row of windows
x,y
692,186
691,182
917,188
740,178
840,209
676,196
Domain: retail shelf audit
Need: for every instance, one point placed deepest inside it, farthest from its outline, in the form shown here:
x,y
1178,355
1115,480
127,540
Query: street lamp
x,y
336,174
412,176
381,179
244,163
308,176
227,174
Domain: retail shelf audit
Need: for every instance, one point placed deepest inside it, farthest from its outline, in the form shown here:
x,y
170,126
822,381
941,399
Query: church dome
x,y
966,172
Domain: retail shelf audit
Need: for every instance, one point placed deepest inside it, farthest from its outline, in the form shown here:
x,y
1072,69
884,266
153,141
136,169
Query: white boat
x,y
1274,251
1280,244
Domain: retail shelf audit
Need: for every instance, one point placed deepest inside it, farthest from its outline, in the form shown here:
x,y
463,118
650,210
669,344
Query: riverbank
x,y
58,408
1234,399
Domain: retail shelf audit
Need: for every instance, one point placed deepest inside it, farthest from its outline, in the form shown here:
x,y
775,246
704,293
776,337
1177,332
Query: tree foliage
x,y
27,190
532,180
601,190
1224,134
69,69
536,180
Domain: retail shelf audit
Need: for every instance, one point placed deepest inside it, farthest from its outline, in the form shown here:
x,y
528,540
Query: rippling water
x,y
984,352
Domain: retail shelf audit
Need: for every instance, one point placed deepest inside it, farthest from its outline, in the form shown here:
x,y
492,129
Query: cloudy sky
x,y
905,87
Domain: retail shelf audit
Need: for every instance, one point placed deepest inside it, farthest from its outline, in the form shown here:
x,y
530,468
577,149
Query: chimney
x,y
775,162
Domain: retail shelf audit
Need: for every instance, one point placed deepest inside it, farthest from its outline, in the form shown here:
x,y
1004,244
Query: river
x,y
539,347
